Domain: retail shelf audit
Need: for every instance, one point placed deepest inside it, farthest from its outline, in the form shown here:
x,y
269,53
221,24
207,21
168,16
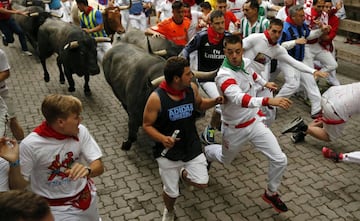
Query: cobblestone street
x,y
313,188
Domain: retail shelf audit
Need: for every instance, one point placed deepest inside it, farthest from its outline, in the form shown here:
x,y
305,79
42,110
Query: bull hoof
x,y
62,81
71,89
126,145
46,78
87,93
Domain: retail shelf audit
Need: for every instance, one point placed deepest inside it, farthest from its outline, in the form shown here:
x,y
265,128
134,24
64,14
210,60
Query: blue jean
x,y
8,28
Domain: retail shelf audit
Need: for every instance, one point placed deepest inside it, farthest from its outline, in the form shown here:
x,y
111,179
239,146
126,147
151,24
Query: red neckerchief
x,y
87,12
289,20
268,38
178,93
232,0
213,36
314,13
45,130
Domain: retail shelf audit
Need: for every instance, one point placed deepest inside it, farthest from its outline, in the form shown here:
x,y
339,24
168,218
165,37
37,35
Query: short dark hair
x,y
315,2
85,2
205,5
232,39
221,1
177,5
254,4
175,67
277,22
16,205
216,14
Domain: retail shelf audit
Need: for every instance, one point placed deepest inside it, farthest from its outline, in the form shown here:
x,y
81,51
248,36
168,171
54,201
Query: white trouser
x,y
332,74
262,138
138,21
293,79
125,18
352,157
102,48
316,52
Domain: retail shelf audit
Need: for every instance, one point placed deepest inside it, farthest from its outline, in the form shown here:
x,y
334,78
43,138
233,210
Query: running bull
x,y
133,74
76,51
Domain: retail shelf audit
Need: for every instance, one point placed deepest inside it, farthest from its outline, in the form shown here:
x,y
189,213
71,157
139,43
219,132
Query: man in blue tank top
x,y
169,108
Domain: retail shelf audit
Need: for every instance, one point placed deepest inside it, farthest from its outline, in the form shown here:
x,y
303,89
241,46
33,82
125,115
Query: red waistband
x,y
245,124
81,200
331,121
313,41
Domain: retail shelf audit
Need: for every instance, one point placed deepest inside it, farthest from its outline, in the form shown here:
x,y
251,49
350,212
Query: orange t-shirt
x,y
176,33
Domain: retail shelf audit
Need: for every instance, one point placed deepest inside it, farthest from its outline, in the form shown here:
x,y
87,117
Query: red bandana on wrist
x,y
45,130
213,36
178,93
268,38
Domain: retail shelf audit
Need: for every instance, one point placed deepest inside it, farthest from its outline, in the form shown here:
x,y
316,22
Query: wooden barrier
x,y
350,25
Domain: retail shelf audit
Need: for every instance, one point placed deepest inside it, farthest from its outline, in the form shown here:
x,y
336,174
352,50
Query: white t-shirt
x,y
165,8
44,160
345,99
4,65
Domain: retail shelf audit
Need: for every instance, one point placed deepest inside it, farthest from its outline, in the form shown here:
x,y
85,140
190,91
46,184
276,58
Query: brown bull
x,y
111,16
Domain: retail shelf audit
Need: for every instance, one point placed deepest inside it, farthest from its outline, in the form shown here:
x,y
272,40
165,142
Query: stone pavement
x,y
313,188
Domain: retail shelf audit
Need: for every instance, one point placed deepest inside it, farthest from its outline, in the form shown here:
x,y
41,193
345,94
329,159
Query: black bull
x,y
76,51
132,72
129,71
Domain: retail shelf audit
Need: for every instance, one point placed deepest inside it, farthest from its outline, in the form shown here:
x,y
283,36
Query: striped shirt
x,y
259,26
91,20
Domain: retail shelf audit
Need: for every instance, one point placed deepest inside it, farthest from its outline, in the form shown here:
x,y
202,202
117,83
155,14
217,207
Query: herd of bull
x,y
133,66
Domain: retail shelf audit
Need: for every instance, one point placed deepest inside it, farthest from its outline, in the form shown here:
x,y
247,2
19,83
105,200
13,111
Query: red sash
x,y
81,200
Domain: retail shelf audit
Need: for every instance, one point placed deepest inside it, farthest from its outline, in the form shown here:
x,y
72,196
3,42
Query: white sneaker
x,y
28,53
168,216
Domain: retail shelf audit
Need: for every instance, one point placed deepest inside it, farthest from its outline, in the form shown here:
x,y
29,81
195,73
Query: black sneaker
x,y
275,202
296,125
5,43
298,137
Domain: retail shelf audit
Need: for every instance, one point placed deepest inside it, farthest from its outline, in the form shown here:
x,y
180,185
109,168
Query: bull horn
x,y
124,7
46,1
34,14
73,44
29,3
160,52
205,75
56,15
102,39
157,81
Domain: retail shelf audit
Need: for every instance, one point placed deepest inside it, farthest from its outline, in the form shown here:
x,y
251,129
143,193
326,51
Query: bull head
x,y
203,75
